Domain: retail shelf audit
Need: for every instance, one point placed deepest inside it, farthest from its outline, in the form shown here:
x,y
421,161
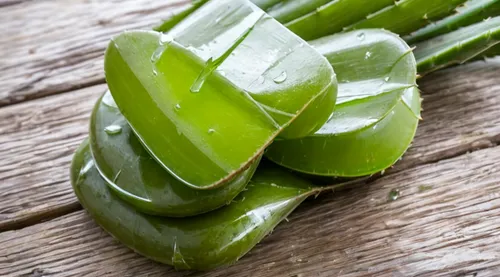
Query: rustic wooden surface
x,y
51,74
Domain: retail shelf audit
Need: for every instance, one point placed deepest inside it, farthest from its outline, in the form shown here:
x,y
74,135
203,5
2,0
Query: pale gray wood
x,y
48,47
450,229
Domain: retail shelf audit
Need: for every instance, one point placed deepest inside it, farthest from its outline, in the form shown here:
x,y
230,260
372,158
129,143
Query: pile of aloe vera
x,y
216,122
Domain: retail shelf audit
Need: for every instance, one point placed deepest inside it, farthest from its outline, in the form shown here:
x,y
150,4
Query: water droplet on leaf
x,y
178,106
361,36
387,79
211,131
281,78
108,100
113,129
368,55
157,54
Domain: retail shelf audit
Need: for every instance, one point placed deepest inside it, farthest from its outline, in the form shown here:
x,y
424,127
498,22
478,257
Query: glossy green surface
x,y
333,17
138,179
377,112
288,10
472,12
215,91
169,23
459,46
266,4
202,242
404,17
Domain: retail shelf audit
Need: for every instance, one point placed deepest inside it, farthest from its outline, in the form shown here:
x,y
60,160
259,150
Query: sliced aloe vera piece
x,y
457,47
472,12
208,98
138,179
334,16
201,242
377,112
406,16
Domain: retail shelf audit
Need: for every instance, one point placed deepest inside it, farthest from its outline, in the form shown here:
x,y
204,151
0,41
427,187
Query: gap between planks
x,y
52,47
37,138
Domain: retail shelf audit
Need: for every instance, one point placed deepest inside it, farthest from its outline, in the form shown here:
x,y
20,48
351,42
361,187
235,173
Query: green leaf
x,y
406,16
209,97
491,52
138,179
288,10
377,112
334,16
201,242
457,47
472,12
170,23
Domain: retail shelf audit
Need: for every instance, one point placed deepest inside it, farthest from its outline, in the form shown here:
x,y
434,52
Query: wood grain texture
x,y
48,47
4,3
461,113
37,138
450,229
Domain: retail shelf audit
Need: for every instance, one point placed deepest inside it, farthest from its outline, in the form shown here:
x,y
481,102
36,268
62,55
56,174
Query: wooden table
x,y
445,223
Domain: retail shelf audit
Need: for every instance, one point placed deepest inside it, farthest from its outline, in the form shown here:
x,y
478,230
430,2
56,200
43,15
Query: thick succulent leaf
x,y
377,112
472,12
457,47
364,152
491,52
288,10
201,242
406,16
266,4
138,179
208,98
170,23
333,17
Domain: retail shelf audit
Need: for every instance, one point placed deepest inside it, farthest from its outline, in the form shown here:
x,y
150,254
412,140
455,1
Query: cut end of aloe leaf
x,y
207,98
377,111
201,242
135,177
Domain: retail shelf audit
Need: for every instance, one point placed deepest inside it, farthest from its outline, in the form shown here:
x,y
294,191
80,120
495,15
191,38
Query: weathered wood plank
x,y
449,229
49,47
461,106
37,138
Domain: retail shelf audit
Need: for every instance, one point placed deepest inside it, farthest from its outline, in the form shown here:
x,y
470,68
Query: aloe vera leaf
x,y
334,16
201,242
288,10
136,178
170,23
491,52
377,112
472,12
406,16
457,47
266,4
208,98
